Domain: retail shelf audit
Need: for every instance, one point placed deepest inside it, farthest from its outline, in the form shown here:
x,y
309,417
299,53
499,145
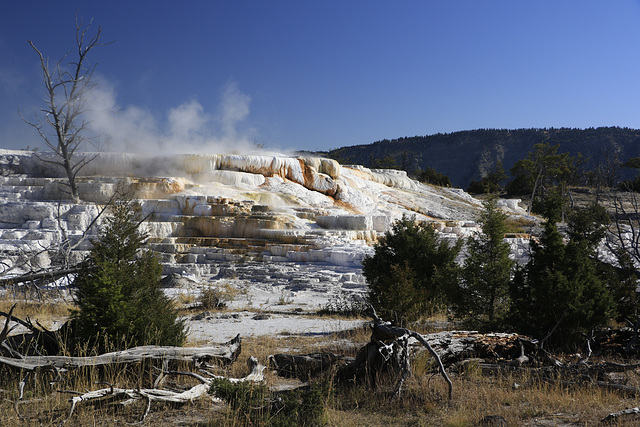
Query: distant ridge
x,y
467,155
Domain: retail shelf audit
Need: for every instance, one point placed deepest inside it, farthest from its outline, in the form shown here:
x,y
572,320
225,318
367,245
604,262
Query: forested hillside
x,y
468,155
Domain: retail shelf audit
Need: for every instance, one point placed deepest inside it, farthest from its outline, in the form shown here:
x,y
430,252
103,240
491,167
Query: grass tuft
x,y
521,399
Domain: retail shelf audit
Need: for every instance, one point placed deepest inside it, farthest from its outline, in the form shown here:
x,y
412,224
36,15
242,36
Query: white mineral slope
x,y
278,229
365,191
314,203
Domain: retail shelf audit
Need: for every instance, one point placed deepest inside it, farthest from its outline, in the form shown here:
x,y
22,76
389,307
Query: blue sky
x,y
317,75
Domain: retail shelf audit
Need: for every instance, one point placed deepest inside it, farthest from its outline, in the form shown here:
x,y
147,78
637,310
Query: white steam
x,y
235,108
187,128
186,121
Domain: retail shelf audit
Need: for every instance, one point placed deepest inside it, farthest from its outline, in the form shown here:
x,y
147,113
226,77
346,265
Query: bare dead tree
x,y
624,235
61,125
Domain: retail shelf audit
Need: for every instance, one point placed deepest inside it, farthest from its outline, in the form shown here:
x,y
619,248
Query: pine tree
x,y
409,271
543,171
482,294
622,282
118,296
558,295
588,225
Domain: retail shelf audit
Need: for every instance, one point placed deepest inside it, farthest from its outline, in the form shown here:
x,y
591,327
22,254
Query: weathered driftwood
x,y
128,396
47,276
223,353
612,418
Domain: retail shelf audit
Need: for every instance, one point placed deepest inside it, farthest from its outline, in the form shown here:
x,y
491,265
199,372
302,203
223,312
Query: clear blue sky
x,y
318,75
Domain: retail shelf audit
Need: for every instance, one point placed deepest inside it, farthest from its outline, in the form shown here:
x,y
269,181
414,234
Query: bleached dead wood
x,y
127,396
385,331
387,349
224,353
616,415
47,276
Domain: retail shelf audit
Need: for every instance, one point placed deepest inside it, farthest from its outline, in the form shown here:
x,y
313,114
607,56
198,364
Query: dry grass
x,y
518,225
185,300
46,307
217,296
475,396
423,402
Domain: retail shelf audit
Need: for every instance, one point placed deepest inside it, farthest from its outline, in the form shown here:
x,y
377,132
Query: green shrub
x,y
482,295
559,295
409,271
490,183
118,295
630,184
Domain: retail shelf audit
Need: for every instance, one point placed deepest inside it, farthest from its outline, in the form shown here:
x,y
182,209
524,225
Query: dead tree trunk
x,y
387,351
127,396
223,353
62,125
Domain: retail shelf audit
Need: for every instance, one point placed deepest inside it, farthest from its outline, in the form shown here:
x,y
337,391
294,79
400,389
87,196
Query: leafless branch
x,y
624,234
66,88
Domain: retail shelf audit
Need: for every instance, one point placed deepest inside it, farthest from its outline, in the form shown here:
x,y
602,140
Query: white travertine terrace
x,y
252,216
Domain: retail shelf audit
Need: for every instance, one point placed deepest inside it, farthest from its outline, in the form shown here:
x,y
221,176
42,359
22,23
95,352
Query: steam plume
x,y
188,127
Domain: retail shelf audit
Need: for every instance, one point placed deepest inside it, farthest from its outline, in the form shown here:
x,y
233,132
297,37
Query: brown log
x,y
454,346
303,366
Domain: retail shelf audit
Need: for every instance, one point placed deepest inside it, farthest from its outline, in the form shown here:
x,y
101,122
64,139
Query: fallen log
x,y
128,396
225,354
390,347
304,366
612,418
47,276
504,350
454,346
